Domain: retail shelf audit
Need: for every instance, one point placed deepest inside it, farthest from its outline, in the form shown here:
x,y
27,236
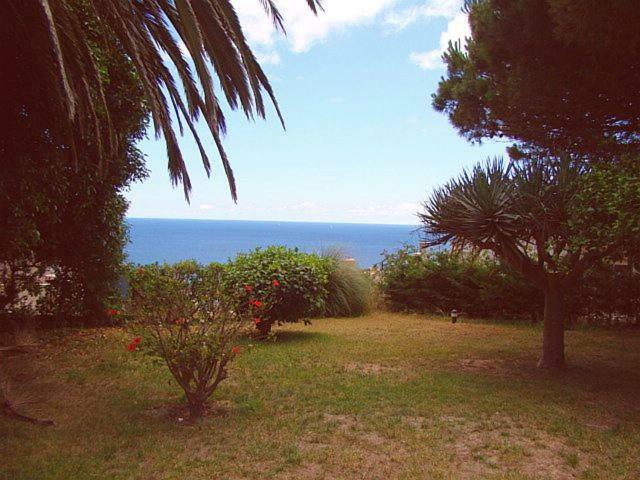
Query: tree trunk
x,y
196,408
264,329
553,336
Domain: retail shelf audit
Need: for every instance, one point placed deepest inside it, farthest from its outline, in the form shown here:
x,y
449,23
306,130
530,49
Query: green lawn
x,y
386,396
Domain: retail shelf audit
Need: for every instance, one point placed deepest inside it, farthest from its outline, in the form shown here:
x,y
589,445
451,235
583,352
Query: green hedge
x,y
609,295
481,286
443,281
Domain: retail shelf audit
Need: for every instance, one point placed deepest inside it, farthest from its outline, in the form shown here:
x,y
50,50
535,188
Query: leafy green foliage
x,y
183,315
300,288
474,208
349,289
516,78
522,74
56,215
607,204
478,285
595,301
279,285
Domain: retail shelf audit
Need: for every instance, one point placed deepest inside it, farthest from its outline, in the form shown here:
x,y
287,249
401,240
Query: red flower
x,y
111,312
275,283
256,303
131,347
248,288
180,321
136,341
236,350
257,321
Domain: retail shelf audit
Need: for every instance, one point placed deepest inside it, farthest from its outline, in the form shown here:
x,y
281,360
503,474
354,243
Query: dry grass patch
x,y
499,446
369,368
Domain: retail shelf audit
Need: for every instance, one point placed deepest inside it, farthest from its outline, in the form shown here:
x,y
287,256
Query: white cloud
x,y
301,206
430,60
207,206
183,48
401,19
304,29
268,58
457,29
400,210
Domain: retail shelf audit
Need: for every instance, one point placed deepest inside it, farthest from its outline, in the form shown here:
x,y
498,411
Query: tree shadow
x,y
296,336
602,385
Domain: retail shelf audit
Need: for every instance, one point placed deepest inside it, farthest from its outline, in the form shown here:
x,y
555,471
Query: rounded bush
x,y
280,284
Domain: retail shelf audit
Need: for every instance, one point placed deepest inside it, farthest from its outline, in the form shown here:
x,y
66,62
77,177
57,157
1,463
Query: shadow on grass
x,y
615,388
296,336
605,379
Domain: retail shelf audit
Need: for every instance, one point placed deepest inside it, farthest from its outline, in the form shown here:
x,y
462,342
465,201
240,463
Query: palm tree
x,y
529,215
153,34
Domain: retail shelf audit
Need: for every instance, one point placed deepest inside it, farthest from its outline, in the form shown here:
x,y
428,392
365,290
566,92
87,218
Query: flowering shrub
x,y
279,285
182,314
132,347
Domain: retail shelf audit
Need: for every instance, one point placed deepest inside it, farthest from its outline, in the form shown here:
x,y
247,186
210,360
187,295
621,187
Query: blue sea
x,y
162,240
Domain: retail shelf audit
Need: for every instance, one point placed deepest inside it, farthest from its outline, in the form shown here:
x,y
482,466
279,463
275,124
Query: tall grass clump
x,y
350,290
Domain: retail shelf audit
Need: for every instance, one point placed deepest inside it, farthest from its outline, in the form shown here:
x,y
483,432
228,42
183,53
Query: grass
x,y
382,396
349,288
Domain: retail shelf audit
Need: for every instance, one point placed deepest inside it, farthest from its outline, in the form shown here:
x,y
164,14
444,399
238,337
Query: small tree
x,y
539,216
181,313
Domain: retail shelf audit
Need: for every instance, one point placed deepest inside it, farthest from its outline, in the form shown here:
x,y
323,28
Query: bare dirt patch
x,y
369,368
604,423
179,413
350,424
499,446
308,471
343,423
23,386
415,422
349,450
483,365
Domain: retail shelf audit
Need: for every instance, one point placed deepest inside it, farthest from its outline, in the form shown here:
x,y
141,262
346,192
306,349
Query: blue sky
x,y
362,142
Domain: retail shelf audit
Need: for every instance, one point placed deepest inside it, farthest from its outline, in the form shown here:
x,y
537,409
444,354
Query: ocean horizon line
x,y
417,226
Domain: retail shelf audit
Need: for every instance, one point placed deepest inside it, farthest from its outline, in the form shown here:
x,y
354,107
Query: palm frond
x,y
477,208
151,33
